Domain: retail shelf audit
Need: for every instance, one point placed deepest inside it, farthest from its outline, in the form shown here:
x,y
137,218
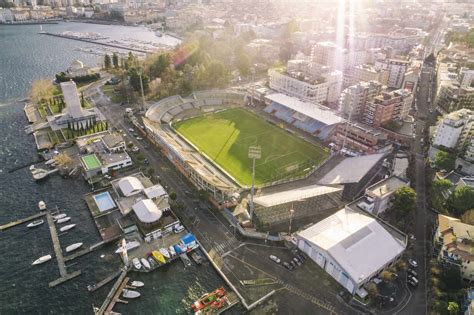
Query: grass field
x,y
225,137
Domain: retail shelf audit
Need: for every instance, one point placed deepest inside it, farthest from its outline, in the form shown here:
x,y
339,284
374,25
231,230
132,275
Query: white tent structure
x,y
351,246
147,211
130,186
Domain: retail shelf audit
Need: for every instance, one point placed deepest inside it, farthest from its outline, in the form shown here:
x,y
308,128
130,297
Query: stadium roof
x,y
356,241
130,186
314,111
294,195
147,211
351,170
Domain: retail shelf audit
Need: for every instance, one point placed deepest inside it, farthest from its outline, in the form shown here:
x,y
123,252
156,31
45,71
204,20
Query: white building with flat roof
x,y
455,129
352,247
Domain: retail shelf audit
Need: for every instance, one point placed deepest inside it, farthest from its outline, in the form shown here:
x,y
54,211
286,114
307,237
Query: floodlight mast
x,y
254,153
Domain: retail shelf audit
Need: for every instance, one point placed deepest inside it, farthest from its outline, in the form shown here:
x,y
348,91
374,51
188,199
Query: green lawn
x,y
91,161
225,137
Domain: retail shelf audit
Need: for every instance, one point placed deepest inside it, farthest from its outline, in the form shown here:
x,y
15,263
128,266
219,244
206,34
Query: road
x,y
215,234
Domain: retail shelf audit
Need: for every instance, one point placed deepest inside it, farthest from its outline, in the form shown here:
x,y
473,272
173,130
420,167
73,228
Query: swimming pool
x,y
104,201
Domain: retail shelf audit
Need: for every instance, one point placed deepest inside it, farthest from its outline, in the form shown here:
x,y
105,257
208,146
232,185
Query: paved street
x,y
233,254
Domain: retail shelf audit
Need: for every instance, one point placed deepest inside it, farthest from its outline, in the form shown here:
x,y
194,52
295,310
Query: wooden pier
x,y
100,284
21,221
114,293
59,255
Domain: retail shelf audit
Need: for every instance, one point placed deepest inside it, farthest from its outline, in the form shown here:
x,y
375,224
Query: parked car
x,y
146,161
287,266
414,279
413,263
412,272
131,129
377,280
179,229
135,149
301,257
275,259
297,261
139,138
412,283
293,263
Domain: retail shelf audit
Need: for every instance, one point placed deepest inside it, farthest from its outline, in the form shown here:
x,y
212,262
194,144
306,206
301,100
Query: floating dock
x,y
100,284
21,221
112,297
59,255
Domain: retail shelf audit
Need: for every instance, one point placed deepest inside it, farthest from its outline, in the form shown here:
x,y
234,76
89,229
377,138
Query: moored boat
x,y
42,259
136,263
130,294
207,299
42,205
59,216
128,246
165,253
73,247
137,284
145,263
158,257
63,220
35,223
66,227
198,259
172,251
151,261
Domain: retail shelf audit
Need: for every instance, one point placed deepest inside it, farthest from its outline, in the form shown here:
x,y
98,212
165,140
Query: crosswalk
x,y
225,245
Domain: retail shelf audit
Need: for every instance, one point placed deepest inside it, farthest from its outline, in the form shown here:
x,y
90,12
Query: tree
x,y
453,308
115,60
173,196
461,200
445,160
107,61
243,64
372,290
404,200
386,275
41,90
438,189
159,65
134,74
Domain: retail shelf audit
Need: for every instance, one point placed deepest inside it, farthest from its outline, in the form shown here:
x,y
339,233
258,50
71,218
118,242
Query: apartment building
x,y
331,55
354,98
455,130
396,71
358,139
387,106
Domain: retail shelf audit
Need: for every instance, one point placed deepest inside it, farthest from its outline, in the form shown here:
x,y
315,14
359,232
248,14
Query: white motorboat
x,y
35,223
130,294
42,205
32,167
74,246
42,259
136,263
64,220
172,251
128,246
59,216
66,227
145,263
137,284
151,261
165,253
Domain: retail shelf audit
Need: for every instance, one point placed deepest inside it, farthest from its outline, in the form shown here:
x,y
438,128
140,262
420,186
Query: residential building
x,y
337,58
378,197
386,107
355,138
354,98
319,90
396,71
451,97
114,142
6,16
454,244
466,77
455,130
364,73
352,247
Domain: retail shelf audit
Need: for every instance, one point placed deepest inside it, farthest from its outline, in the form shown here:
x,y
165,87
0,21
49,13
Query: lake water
x,y
24,57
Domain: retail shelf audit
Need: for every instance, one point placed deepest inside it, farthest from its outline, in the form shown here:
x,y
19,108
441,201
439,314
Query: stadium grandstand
x,y
202,173
314,119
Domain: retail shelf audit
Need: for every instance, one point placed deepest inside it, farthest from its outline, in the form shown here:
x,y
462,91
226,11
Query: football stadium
x,y
207,138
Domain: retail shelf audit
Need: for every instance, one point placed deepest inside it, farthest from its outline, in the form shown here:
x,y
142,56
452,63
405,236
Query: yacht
x,y
130,294
136,263
66,227
73,247
35,223
63,220
42,259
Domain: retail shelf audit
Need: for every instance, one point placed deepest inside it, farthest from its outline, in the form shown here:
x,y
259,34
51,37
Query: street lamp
x,y
292,211
140,73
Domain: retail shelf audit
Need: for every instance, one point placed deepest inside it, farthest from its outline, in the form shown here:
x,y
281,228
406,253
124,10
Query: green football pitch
x,y
224,137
